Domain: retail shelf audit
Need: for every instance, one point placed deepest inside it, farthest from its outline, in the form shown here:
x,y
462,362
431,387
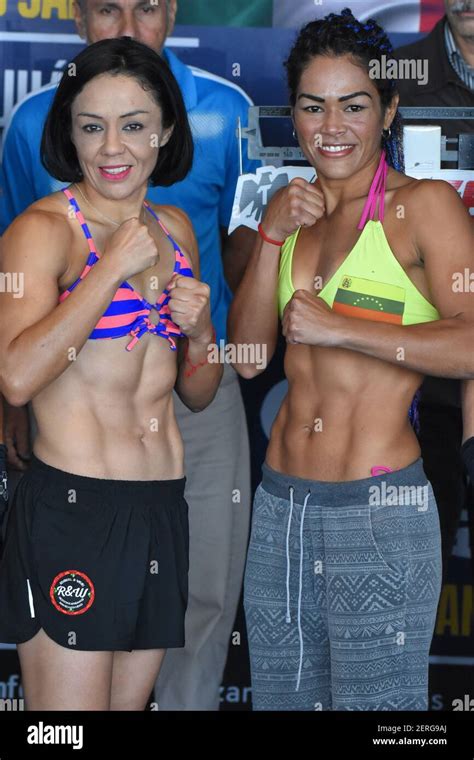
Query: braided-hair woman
x,y
344,567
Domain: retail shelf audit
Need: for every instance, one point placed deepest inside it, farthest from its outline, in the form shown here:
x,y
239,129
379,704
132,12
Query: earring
x,y
294,134
387,133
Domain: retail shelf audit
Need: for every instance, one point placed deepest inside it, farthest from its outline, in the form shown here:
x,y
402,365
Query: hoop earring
x,y
387,133
295,136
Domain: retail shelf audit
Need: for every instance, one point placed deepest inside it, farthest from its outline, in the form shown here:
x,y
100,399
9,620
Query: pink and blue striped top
x,y
128,313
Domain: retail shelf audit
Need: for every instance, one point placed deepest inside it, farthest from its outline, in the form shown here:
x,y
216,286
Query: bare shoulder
x,y
49,213
425,195
43,228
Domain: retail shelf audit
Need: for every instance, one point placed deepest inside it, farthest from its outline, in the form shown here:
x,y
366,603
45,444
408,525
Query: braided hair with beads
x,y
339,34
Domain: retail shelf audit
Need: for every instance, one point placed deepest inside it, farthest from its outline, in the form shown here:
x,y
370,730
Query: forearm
x,y
236,252
253,316
442,348
41,353
198,375
234,269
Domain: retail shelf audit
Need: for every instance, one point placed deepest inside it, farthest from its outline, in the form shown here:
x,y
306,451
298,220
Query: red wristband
x,y
267,239
195,367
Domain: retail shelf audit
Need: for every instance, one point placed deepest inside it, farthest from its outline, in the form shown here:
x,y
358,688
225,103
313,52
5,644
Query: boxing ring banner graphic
x,y
38,37
255,191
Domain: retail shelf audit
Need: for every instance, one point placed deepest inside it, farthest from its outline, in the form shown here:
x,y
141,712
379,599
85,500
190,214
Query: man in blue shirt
x,y
216,440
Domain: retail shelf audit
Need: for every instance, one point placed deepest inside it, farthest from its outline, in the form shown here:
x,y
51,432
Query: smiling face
x,y
117,131
147,21
338,106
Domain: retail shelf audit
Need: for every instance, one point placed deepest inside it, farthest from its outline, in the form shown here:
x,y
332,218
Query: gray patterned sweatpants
x,y
340,592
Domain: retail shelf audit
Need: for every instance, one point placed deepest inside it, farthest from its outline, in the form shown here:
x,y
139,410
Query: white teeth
x,y
336,148
119,170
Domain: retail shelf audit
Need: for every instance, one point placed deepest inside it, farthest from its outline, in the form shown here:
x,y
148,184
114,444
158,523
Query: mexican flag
x,y
225,12
394,15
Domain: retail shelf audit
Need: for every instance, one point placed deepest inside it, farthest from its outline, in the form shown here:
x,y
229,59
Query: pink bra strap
x,y
377,189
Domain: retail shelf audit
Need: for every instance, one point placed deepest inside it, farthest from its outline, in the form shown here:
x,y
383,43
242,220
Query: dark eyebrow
x,y
354,95
124,116
106,4
341,99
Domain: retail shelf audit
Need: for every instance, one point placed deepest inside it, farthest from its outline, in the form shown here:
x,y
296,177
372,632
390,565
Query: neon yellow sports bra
x,y
370,283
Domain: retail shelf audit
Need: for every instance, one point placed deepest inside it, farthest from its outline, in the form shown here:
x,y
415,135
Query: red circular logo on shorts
x,y
72,592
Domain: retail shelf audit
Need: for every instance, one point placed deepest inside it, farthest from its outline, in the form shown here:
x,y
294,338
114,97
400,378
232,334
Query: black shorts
x,y
98,564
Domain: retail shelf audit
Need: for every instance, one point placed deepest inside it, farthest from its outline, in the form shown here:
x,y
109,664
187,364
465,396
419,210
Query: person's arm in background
x,y
467,409
3,478
467,448
237,247
236,251
16,431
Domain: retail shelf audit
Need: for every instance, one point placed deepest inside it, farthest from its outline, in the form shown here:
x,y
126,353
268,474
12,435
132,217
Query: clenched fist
x,y
308,319
131,248
299,204
189,306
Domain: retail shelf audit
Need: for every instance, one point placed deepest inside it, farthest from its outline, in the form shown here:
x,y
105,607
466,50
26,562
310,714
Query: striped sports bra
x,y
128,313
370,283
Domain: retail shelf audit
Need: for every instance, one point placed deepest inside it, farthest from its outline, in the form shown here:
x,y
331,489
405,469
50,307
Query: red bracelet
x,y
195,367
267,239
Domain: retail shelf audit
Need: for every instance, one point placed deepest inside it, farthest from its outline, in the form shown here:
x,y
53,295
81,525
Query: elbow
x,y
247,371
252,360
16,396
13,390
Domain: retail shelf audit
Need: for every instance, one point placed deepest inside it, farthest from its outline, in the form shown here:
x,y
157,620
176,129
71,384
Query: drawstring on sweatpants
x,y
300,590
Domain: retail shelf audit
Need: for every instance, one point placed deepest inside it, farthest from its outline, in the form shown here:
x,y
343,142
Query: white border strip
x,y
74,39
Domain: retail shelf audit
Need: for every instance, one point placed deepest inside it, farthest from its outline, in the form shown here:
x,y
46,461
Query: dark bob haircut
x,y
118,57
